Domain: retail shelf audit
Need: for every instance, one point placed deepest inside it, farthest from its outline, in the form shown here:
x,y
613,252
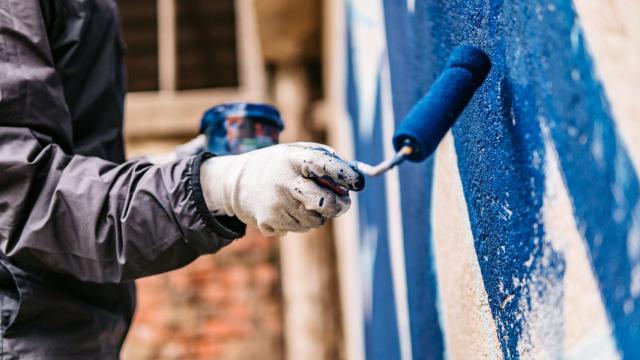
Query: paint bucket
x,y
236,128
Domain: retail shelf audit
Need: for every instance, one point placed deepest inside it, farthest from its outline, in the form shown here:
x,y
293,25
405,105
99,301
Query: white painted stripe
x,y
348,253
586,332
341,138
465,316
368,48
612,31
394,218
411,6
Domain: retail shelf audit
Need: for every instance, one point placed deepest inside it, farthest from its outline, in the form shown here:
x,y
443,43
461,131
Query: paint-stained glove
x,y
273,189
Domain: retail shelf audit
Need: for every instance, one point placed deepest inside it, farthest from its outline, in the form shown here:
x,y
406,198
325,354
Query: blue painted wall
x,y
541,88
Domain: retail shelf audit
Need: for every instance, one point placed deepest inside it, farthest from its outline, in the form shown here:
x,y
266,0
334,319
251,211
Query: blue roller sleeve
x,y
431,118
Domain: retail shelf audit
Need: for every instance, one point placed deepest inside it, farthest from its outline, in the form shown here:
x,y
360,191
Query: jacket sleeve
x,y
84,216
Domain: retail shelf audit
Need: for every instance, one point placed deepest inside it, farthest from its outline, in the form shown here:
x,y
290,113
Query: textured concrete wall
x,y
520,238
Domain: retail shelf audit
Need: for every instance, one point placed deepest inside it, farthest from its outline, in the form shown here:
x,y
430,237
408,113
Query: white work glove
x,y
272,188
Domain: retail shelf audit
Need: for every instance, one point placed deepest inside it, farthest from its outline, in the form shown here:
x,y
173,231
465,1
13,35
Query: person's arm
x,y
84,216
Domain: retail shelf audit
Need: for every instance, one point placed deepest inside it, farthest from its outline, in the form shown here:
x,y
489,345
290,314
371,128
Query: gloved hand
x,y
272,188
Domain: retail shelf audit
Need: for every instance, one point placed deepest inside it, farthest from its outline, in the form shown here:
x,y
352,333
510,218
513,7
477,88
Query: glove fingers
x,y
316,160
305,206
294,219
303,220
307,218
318,199
268,230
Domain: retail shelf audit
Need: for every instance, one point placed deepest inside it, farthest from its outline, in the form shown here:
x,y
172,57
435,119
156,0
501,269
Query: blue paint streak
x,y
381,330
501,167
539,80
603,185
542,76
415,190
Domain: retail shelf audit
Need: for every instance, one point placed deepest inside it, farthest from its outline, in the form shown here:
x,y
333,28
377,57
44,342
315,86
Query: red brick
x,y
221,305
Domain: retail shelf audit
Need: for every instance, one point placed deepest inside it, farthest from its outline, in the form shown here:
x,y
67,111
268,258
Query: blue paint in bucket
x,y
236,128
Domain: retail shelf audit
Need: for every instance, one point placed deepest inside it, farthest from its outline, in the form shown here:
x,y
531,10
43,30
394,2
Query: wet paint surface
x,y
542,84
500,158
409,79
602,182
381,339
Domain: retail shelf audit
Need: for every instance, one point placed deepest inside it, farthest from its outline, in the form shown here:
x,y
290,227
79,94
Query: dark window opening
x,y
140,30
206,49
206,44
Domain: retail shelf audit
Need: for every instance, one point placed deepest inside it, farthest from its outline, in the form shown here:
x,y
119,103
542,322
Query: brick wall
x,y
223,306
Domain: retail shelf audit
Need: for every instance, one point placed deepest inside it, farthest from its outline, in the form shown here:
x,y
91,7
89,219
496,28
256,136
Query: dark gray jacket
x,y
77,223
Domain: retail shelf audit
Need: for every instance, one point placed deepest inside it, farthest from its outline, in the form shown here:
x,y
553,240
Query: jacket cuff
x,y
228,228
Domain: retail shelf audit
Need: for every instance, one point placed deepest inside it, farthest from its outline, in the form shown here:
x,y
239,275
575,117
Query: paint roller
x,y
420,132
429,120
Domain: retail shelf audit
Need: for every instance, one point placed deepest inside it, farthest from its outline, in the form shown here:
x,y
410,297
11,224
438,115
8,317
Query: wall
x,y
520,238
